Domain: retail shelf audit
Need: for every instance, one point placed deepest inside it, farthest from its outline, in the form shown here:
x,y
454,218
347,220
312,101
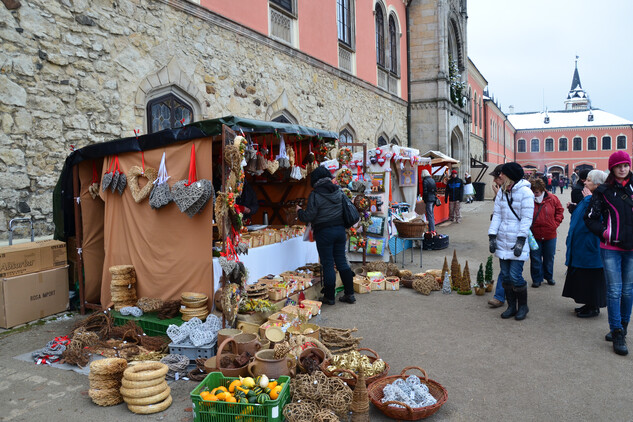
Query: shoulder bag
x,y
531,239
350,213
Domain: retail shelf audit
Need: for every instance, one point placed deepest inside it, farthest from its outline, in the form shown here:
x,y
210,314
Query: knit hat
x,y
454,172
619,157
497,171
513,170
319,173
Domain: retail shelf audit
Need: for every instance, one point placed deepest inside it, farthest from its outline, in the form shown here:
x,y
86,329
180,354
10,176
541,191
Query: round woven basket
x,y
406,413
192,296
413,229
351,378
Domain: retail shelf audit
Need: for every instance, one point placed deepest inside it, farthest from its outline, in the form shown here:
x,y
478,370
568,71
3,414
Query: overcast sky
x,y
526,51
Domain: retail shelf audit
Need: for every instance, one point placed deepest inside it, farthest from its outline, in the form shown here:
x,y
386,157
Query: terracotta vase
x,y
489,287
265,363
479,291
247,343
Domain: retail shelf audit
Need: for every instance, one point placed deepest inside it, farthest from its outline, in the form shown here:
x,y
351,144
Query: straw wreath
x,y
145,371
108,366
135,393
144,401
141,384
105,397
152,408
139,193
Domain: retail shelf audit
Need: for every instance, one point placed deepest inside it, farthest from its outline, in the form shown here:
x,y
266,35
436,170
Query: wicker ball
x,y
325,415
405,274
339,397
300,411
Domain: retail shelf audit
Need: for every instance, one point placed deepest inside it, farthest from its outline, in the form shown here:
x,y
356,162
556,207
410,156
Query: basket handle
x,y
221,349
387,403
369,350
338,370
426,377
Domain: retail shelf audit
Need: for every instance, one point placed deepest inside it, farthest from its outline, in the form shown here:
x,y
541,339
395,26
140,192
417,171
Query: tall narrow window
x,y
534,145
606,143
621,142
380,37
284,4
344,17
549,145
521,145
168,112
592,143
382,141
393,45
562,144
577,143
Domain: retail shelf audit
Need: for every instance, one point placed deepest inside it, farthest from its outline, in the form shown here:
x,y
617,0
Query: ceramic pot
x,y
247,343
225,333
479,291
230,372
489,287
265,363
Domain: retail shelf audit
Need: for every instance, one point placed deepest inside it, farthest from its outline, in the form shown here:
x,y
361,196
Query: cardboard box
x,y
33,257
30,297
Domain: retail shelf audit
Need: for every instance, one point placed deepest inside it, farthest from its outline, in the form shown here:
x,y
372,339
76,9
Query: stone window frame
x,y
617,141
384,138
284,116
606,138
550,144
351,18
591,139
576,139
521,145
563,141
381,51
395,63
535,146
283,13
163,98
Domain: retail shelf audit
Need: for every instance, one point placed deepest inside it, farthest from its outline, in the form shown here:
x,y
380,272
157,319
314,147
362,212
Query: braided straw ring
x,y
145,371
108,366
152,408
126,383
105,384
121,269
134,393
144,401
107,397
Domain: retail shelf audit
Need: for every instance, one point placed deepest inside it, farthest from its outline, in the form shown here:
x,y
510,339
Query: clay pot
x,y
247,343
230,372
489,287
265,363
479,291
225,333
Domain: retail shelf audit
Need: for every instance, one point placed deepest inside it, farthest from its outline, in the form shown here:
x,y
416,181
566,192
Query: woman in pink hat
x,y
610,217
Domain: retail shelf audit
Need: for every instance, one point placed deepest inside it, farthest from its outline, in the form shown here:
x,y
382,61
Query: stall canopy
x,y
438,157
170,251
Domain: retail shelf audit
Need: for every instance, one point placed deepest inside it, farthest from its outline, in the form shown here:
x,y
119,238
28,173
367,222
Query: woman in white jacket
x,y
508,232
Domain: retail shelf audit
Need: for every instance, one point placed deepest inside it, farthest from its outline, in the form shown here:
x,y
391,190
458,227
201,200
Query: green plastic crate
x,y
204,411
151,325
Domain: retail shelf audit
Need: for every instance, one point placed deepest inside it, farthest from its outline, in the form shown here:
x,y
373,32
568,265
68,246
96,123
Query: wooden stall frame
x,y
364,146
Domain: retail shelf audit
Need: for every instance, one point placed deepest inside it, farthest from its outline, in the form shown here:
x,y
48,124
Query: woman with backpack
x,y
325,213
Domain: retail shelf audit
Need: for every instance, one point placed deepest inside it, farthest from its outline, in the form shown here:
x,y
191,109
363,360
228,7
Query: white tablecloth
x,y
273,259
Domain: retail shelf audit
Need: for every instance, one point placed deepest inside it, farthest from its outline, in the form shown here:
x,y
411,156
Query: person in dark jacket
x,y
610,217
248,201
576,191
585,276
548,214
429,195
454,195
325,213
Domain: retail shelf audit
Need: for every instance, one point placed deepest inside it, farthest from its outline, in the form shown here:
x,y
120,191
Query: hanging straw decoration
x,y
135,172
192,195
296,172
106,180
282,158
119,179
160,195
272,165
93,189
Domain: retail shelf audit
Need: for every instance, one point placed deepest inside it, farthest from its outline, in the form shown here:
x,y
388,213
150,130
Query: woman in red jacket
x,y
548,214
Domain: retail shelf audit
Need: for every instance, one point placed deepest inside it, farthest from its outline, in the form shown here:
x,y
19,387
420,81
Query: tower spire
x,y
577,97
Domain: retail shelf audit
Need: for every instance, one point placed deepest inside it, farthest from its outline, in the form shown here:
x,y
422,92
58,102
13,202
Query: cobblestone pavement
x,y
550,367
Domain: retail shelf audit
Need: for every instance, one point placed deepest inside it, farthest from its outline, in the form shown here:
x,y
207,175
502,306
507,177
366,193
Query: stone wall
x,y
76,72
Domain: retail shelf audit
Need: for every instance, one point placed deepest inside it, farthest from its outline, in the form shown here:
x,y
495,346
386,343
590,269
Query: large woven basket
x,y
413,228
351,378
406,413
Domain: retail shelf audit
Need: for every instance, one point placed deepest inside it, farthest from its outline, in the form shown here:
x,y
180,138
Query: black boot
x,y
512,302
521,295
619,342
609,336
347,277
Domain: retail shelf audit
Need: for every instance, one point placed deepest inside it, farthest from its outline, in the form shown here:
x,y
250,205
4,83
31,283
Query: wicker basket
x,y
414,229
406,413
352,378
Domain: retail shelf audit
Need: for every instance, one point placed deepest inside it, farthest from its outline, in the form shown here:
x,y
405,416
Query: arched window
x,y
621,142
394,141
344,19
380,36
382,141
167,112
282,119
577,143
562,144
345,136
534,145
592,143
521,145
393,45
606,143
549,145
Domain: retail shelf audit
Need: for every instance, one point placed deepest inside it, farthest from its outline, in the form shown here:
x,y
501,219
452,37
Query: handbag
x,y
438,201
532,243
350,213
308,234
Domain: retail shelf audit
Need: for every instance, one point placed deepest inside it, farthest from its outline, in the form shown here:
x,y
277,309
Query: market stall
x,y
170,245
439,167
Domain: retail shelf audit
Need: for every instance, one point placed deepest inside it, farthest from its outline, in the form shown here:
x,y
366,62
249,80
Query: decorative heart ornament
x,y
185,196
93,190
141,193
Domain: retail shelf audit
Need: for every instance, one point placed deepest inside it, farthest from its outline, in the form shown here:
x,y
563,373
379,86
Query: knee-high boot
x,y
521,294
512,302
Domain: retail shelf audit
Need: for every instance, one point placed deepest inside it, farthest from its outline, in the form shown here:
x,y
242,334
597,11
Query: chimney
x,y
510,109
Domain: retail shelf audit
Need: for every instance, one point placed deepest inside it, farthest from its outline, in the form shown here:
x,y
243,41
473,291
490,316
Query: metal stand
x,y
395,254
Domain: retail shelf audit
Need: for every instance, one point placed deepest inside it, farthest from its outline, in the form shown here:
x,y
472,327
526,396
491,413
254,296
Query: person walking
x,y
469,190
325,213
454,195
507,236
576,191
548,214
610,217
429,196
499,297
561,184
585,281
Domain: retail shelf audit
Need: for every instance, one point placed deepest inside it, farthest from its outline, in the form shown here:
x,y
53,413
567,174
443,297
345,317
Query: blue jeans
x,y
331,242
618,271
500,293
430,207
511,272
542,261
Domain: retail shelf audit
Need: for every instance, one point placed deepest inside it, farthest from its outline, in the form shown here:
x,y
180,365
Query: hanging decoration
x,y
93,189
160,195
192,195
344,156
118,179
135,172
282,157
272,165
344,177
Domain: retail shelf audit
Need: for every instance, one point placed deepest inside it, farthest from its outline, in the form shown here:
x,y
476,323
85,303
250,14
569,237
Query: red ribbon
x,y
95,175
192,166
143,160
